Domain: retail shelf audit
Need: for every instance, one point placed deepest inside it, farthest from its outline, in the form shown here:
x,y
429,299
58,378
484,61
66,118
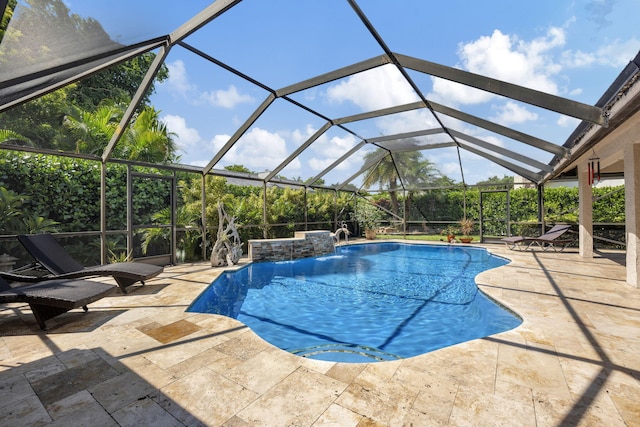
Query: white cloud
x,y
179,85
258,150
575,92
449,169
178,82
508,58
504,57
512,112
567,122
618,53
578,59
299,136
455,93
219,141
328,150
406,122
374,89
186,137
228,98
615,54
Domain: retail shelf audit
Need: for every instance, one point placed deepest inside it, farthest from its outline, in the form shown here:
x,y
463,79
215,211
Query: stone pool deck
x,y
139,359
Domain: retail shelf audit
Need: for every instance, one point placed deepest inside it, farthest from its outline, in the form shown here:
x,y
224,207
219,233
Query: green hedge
x,y
67,191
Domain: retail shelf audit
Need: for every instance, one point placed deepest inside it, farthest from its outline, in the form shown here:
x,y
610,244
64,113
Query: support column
x,y
632,217
103,213
586,212
203,217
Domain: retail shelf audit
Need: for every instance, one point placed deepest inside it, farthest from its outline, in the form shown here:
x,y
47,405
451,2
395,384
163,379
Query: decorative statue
x,y
227,249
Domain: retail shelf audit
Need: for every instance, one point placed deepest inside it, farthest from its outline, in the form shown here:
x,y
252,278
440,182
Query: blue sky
x,y
573,49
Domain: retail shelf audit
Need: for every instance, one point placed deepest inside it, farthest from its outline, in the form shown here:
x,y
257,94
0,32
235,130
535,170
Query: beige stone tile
x,y
75,357
147,371
623,384
517,393
145,412
222,365
168,355
76,402
481,409
299,399
480,354
27,411
532,367
43,368
345,372
90,415
58,386
235,422
261,372
26,347
5,353
554,411
418,418
338,416
380,401
203,397
211,358
581,375
244,346
124,342
376,373
629,409
14,388
119,391
170,332
436,400
321,366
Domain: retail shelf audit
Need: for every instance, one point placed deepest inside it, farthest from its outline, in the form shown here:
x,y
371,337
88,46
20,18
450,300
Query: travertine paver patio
x,y
139,359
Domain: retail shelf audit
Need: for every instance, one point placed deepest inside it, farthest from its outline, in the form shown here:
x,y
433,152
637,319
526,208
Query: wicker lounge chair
x,y
52,256
549,240
50,298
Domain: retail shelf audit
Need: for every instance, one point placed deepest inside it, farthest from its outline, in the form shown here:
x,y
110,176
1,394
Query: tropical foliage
x,y
80,117
51,193
416,171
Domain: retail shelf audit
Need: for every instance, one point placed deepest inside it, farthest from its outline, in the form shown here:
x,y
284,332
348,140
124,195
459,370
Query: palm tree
x,y
93,129
9,136
145,139
384,174
414,170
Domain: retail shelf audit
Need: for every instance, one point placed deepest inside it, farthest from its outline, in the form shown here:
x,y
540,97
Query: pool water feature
x,y
365,303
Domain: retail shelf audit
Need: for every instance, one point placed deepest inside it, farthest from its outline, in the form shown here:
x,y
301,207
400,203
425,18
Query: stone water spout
x,y
343,229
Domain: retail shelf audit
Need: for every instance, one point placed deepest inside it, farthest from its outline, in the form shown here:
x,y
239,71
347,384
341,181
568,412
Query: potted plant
x,y
449,231
466,226
368,217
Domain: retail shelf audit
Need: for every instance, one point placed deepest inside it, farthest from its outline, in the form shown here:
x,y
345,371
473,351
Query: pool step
x,y
345,352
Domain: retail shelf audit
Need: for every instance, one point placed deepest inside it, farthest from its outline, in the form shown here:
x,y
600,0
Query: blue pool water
x,y
365,303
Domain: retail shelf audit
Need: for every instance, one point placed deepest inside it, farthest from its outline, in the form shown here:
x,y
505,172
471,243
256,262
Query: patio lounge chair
x,y
50,298
50,255
550,239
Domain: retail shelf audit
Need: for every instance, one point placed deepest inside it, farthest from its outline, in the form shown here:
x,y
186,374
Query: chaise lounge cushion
x,y
51,255
50,298
550,239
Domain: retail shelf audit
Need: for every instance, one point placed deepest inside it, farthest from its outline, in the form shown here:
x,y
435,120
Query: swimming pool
x,y
365,303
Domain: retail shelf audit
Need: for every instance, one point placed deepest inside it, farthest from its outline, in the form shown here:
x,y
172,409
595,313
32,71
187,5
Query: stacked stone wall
x,y
305,244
